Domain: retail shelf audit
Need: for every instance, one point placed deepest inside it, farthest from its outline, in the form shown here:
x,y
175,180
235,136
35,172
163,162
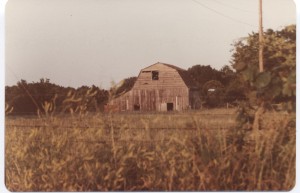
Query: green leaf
x,y
263,79
279,68
274,88
248,74
292,77
240,66
274,91
287,90
252,97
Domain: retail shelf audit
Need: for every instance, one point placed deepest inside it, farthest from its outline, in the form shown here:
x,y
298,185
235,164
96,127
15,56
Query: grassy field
x,y
203,150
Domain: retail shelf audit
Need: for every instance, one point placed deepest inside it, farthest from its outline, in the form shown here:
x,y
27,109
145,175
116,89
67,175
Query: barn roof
x,y
172,66
169,65
189,82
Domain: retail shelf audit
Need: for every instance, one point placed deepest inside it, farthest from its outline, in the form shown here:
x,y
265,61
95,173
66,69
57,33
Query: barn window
x,y
154,75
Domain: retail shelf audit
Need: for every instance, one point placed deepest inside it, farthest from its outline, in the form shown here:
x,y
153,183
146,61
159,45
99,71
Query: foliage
x,y
236,90
214,93
47,98
126,86
203,73
194,152
278,81
229,90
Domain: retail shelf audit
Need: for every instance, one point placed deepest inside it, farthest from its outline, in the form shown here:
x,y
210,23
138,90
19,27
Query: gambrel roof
x,y
189,82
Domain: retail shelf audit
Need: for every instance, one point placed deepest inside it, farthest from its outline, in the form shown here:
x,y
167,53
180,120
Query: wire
x,y
226,16
232,7
26,90
12,72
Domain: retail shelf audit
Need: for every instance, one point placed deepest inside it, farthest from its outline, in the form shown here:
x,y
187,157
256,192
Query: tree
x,y
201,74
46,98
278,81
235,90
213,92
227,75
126,85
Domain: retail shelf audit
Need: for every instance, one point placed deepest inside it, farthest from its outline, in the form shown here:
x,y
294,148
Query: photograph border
x,y
2,96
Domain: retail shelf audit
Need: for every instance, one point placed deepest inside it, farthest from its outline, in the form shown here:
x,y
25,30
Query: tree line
x,y
46,97
238,81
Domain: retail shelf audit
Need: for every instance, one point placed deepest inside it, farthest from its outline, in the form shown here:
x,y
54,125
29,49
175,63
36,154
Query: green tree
x,y
278,81
47,98
235,90
227,75
203,73
126,85
213,92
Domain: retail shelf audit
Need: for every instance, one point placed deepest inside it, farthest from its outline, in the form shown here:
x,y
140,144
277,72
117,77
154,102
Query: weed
x,y
191,151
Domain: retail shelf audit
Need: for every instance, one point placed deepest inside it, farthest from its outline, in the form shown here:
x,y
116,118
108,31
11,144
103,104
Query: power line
x,y
222,14
232,7
26,90
13,73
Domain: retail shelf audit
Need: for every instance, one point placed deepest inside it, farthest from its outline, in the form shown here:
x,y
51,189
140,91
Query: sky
x,y
95,42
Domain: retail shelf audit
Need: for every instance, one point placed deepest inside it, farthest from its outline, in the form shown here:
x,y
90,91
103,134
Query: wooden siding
x,y
153,99
168,77
169,92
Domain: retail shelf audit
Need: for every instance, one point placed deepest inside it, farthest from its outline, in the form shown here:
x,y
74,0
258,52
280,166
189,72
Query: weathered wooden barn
x,y
159,87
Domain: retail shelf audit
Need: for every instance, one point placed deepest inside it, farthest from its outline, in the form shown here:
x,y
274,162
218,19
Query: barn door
x,y
170,106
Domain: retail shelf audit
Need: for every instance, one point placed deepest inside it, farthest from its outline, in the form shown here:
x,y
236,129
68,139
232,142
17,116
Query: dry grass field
x,y
191,151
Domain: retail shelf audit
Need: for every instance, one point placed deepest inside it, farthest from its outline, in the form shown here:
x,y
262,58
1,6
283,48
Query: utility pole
x,y
261,39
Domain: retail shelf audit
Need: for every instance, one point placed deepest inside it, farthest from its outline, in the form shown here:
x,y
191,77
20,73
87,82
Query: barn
x,y
160,87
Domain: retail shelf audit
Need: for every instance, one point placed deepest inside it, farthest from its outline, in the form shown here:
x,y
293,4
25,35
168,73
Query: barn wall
x,y
157,99
121,103
169,92
153,100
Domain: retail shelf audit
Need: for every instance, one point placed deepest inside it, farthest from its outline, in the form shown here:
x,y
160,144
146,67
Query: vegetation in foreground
x,y
167,152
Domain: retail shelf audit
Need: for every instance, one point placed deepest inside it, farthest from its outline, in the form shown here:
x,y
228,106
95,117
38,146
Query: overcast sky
x,y
86,42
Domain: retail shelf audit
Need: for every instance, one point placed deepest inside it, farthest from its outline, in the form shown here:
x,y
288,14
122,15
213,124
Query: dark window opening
x,y
154,75
170,107
136,107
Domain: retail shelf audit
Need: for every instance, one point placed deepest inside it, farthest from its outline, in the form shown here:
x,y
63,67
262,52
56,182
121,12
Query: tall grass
x,y
192,151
